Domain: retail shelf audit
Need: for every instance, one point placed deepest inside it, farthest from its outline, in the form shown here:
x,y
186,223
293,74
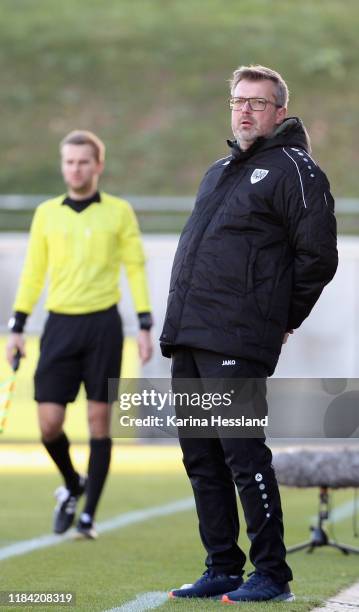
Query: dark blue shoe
x,y
210,584
259,587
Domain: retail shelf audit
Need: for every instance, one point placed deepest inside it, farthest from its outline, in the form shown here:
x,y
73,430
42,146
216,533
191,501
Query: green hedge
x,y
150,78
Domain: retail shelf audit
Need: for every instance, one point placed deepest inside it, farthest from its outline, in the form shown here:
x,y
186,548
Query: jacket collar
x,y
291,132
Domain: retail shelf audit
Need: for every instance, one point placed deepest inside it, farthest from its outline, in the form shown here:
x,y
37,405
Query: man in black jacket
x,y
253,259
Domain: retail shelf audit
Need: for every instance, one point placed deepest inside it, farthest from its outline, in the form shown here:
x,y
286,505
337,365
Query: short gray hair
x,y
262,73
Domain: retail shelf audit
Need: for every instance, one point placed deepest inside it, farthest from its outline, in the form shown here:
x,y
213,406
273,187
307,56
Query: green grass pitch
x,y
153,555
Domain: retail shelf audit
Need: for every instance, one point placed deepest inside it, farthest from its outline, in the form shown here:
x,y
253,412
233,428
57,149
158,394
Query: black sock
x,y
58,450
99,463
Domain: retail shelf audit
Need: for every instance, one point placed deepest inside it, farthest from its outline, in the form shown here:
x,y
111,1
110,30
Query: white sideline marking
x,y
118,522
129,518
146,601
344,601
340,512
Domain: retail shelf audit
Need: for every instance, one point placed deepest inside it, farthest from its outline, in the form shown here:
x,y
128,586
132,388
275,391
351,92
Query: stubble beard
x,y
80,189
246,137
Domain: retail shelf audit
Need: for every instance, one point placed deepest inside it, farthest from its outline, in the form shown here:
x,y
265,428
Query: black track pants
x,y
216,465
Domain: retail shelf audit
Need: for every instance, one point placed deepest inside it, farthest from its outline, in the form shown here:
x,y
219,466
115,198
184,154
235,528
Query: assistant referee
x,y
80,240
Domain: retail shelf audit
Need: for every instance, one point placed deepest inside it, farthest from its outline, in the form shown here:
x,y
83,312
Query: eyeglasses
x,y
255,104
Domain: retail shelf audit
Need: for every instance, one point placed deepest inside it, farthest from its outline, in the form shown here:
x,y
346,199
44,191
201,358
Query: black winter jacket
x,y
256,252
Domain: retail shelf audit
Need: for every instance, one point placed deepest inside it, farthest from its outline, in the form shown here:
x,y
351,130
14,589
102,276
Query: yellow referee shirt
x,y
82,252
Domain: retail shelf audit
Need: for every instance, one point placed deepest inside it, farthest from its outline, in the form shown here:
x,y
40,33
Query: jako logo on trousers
x,y
229,362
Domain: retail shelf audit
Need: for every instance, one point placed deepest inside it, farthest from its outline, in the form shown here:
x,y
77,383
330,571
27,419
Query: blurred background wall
x,y
326,345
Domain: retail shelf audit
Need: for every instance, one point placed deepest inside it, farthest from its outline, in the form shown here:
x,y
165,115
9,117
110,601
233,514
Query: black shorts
x,y
78,348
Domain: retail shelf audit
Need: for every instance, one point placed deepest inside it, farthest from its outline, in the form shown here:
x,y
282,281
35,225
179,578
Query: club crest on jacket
x,y
258,175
